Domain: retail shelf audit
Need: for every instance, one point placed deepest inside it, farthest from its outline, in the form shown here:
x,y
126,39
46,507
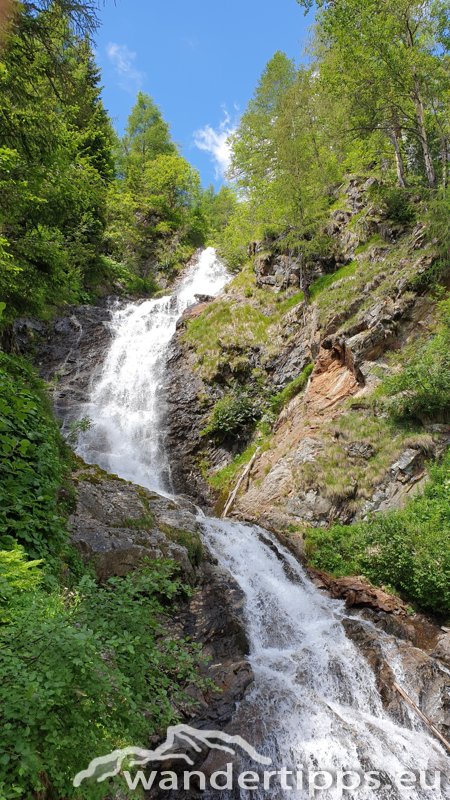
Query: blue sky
x,y
199,59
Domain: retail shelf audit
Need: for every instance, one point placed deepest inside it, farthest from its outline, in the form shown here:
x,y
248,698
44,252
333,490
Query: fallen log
x,y
232,497
422,716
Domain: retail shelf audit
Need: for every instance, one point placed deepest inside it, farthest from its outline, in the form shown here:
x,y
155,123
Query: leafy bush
x,y
16,573
85,673
232,417
398,205
32,465
422,388
437,215
408,550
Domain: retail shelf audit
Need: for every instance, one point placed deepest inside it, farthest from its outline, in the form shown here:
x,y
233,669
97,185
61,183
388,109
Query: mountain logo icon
x,y
104,767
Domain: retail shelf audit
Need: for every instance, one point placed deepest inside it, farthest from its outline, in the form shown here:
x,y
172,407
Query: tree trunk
x,y
395,137
420,116
444,160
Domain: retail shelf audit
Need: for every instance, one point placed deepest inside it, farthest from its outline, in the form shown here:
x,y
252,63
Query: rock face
x,y
424,677
278,271
184,420
67,351
117,525
357,592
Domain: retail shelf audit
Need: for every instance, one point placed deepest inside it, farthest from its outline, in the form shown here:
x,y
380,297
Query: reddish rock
x,y
359,593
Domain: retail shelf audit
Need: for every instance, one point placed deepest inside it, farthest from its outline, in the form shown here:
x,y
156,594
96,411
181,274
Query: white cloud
x,y
124,62
215,141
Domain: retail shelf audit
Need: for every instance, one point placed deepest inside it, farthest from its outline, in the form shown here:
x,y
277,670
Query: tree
x,y
397,49
55,161
154,209
253,151
147,137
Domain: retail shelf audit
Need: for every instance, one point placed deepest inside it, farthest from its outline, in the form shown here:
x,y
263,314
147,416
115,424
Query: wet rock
x,y
396,661
184,421
442,649
117,525
191,313
67,351
357,592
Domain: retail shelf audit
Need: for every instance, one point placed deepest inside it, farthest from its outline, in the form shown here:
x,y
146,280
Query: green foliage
x,y
374,100
16,573
422,389
397,203
232,417
155,218
283,164
408,550
94,669
217,209
55,159
32,467
389,97
280,400
436,217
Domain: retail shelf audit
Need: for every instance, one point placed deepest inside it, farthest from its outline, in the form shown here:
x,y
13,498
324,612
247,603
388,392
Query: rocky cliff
x,y
326,451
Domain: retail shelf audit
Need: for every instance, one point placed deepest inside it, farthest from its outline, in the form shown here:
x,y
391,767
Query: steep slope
x,y
325,449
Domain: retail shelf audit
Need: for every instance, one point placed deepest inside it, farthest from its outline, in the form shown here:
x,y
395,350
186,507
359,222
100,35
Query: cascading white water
x,y
314,703
126,404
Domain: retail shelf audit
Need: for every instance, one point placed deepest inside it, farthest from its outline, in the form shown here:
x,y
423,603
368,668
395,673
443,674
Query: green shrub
x,y
422,388
16,574
32,463
85,673
397,203
232,417
408,550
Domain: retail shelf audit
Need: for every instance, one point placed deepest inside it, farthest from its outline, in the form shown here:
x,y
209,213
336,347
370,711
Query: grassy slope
x,y
252,316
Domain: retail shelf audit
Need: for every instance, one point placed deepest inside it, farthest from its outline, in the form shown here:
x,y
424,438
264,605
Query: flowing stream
x,y
314,704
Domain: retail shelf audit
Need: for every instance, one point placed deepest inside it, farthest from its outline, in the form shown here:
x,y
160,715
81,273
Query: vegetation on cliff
x,y
406,551
93,665
341,166
82,213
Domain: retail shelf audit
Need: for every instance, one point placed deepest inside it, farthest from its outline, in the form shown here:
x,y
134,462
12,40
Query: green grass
x,y
248,316
421,390
343,478
280,400
325,281
374,241
224,478
408,550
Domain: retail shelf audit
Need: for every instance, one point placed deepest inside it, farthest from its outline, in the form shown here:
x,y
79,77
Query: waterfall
x,y
127,404
314,704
